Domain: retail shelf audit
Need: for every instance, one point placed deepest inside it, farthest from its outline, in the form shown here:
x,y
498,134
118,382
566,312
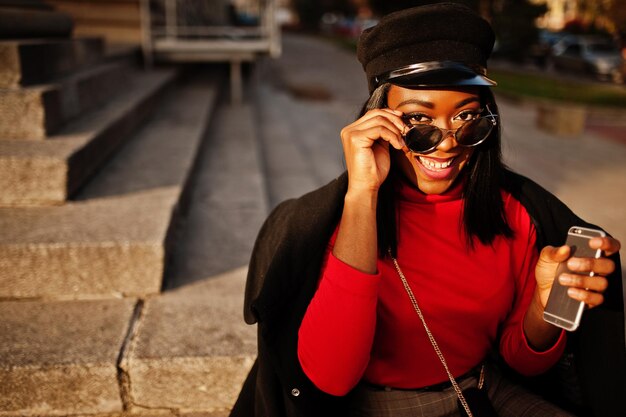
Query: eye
x,y
416,119
467,115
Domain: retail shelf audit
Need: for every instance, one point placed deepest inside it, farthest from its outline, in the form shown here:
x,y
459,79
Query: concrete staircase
x,y
105,202
126,227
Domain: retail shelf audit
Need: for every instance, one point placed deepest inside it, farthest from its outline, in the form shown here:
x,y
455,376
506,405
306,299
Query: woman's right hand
x,y
366,147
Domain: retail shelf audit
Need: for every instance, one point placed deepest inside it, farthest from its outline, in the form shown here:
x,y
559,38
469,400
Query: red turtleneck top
x,y
361,326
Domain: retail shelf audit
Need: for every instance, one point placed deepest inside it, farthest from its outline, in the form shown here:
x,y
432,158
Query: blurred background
x,y
144,142
584,37
577,36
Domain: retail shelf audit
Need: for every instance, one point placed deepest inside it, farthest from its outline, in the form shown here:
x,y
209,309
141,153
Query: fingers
x,y
366,144
599,266
584,288
596,266
606,244
554,254
591,299
546,267
597,284
366,137
586,276
587,281
376,124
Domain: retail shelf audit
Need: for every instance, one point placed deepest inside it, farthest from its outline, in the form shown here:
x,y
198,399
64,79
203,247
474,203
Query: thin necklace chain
x,y
456,387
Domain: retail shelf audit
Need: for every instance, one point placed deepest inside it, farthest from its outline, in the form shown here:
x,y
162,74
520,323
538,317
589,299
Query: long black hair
x,y
483,209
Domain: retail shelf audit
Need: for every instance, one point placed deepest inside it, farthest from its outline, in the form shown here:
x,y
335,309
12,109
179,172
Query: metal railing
x,y
207,31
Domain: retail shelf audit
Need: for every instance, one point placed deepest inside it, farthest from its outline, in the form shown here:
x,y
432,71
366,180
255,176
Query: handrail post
x,y
146,33
171,19
236,82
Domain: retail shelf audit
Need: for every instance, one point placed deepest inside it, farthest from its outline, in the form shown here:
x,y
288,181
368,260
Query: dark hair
x,y
483,209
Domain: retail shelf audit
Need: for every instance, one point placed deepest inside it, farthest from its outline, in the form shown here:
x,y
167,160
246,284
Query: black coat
x,y
282,279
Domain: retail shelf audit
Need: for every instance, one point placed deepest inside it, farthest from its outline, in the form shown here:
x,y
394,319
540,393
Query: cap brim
x,y
436,74
442,78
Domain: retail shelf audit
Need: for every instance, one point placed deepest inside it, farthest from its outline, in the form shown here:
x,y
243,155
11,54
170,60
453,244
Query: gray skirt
x,y
509,400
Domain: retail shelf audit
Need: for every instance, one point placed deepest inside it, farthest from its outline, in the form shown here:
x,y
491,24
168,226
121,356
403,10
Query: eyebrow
x,y
467,101
422,103
431,105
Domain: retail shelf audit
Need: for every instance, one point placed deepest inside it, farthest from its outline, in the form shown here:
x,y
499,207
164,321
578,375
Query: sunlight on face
x,y
436,171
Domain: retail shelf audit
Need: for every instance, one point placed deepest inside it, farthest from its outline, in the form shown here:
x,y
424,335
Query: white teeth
x,y
429,163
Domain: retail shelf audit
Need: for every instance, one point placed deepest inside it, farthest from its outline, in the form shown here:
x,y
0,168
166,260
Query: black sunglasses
x,y
424,138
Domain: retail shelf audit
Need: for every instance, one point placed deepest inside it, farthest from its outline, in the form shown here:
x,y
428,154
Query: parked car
x,y
345,26
592,55
541,51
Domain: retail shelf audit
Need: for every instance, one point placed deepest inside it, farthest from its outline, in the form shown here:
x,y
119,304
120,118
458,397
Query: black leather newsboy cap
x,y
441,44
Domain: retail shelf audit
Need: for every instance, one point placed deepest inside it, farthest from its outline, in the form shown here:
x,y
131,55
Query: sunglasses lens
x,y
474,132
423,138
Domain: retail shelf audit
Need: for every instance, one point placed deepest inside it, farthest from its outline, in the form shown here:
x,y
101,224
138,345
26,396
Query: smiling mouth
x,y
435,164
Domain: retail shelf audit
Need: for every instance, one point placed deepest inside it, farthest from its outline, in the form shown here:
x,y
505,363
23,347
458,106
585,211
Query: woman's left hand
x,y
582,287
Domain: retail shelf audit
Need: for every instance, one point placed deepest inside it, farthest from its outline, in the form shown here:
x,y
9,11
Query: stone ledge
x,y
115,240
552,116
561,119
48,172
28,62
19,23
96,248
192,350
188,355
188,384
60,358
34,113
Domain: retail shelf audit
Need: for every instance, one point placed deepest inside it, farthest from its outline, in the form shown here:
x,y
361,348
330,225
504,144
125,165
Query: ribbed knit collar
x,y
405,191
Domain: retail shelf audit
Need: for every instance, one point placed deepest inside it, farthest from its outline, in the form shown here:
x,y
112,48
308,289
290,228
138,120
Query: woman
x,y
426,200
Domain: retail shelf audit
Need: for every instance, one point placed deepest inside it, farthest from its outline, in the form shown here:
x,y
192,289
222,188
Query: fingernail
x,y
575,293
595,242
566,279
573,263
562,252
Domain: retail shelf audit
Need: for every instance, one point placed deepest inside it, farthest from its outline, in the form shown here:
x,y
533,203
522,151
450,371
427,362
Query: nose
x,y
449,140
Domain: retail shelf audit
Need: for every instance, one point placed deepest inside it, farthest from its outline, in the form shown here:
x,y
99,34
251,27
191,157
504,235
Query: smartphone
x,y
561,310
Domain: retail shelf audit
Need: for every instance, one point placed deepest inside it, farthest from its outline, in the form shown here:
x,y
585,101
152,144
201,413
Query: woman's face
x,y
435,172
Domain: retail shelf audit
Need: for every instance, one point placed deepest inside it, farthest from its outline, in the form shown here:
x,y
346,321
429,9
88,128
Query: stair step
x,y
288,170
19,23
115,238
113,356
118,21
108,247
299,157
28,62
198,366
32,113
201,367
228,203
60,358
49,172
30,4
